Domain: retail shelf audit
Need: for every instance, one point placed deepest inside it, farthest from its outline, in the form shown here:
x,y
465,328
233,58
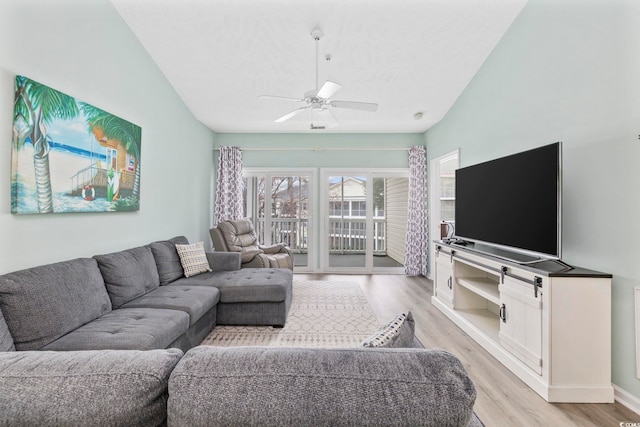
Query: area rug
x,y
323,314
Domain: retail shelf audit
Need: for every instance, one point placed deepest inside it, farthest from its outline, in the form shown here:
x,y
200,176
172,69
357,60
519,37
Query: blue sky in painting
x,y
74,133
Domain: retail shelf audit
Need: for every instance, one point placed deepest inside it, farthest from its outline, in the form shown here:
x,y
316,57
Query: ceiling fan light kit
x,y
319,99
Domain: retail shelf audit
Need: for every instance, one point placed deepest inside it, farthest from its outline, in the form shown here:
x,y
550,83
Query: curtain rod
x,y
319,149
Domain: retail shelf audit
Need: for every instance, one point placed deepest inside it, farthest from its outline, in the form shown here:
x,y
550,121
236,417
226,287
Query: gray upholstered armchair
x,y
240,236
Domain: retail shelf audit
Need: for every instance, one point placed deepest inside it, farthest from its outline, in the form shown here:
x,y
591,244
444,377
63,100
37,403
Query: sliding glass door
x,y
347,222
280,205
364,220
363,217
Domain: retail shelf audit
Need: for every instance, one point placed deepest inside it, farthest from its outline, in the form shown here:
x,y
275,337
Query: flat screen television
x,y
513,203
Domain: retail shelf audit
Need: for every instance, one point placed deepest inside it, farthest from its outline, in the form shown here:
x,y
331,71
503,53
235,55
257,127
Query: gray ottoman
x,y
250,296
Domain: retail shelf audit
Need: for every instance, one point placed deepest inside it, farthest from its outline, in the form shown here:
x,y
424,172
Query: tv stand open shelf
x,y
482,286
549,325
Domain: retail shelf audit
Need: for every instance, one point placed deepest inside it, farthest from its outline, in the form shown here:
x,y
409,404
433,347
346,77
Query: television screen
x,y
513,201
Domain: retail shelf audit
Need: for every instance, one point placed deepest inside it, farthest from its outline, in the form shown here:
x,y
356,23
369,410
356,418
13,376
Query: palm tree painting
x,y
69,156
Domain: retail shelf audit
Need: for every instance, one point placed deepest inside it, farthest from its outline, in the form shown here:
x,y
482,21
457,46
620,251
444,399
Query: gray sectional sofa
x,y
214,386
138,299
125,321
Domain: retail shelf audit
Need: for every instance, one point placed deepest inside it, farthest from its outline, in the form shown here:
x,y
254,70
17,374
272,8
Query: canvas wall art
x,y
69,156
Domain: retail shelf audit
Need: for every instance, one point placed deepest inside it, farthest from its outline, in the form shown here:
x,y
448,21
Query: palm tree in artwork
x,y
37,105
117,129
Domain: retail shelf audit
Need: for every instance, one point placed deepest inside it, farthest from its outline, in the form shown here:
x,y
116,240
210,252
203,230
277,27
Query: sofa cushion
x,y
6,341
193,259
167,259
126,329
193,300
246,285
43,303
96,388
294,387
128,274
398,332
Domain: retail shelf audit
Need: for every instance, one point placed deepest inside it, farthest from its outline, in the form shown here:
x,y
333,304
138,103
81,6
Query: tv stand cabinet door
x,y
443,289
521,322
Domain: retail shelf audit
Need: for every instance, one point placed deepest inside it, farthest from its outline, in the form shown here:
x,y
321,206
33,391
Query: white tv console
x,y
549,325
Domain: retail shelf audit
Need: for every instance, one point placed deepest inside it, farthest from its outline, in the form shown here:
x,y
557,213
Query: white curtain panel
x,y
228,204
416,256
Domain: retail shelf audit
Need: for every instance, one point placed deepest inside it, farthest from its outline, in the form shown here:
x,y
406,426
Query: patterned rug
x,y
329,314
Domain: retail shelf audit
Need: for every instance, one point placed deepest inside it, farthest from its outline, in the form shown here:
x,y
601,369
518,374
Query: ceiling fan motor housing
x,y
311,98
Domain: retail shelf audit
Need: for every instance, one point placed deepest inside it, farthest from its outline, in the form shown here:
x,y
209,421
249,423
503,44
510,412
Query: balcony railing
x,y
291,231
346,235
349,235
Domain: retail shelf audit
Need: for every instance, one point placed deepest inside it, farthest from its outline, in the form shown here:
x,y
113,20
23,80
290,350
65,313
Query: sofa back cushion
x,y
167,259
85,388
6,340
43,303
294,387
128,274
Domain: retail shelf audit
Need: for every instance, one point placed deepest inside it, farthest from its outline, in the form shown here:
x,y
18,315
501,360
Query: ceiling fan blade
x,y
328,118
291,114
354,105
328,89
286,98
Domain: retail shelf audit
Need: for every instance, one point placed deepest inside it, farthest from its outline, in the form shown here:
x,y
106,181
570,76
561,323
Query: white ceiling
x,y
408,56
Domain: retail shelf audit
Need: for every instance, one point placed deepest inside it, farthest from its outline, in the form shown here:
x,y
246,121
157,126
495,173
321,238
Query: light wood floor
x,y
503,399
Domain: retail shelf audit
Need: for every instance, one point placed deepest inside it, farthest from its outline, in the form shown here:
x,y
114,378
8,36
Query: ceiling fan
x,y
319,100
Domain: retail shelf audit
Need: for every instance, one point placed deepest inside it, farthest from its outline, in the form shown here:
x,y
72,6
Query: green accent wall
x,y
86,50
570,71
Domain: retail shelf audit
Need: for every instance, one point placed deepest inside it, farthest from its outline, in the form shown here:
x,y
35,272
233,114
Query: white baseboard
x,y
627,399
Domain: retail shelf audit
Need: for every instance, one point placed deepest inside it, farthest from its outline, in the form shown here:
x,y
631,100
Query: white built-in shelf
x,y
484,320
484,286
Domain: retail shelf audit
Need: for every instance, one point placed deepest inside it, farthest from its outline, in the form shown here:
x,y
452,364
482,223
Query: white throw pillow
x,y
398,333
193,259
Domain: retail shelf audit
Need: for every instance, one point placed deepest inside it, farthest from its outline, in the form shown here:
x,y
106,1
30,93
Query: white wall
x,y
84,49
569,70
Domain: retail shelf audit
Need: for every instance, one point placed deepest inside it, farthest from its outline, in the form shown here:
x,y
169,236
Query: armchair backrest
x,y
219,243
238,234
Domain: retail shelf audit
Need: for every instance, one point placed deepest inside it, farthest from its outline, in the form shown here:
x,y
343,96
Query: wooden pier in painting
x,y
96,178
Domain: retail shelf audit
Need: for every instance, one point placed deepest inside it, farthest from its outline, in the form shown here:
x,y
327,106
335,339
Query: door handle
x,y
503,313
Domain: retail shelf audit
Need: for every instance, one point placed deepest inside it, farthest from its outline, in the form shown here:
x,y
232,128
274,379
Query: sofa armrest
x,y
224,261
97,388
294,386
